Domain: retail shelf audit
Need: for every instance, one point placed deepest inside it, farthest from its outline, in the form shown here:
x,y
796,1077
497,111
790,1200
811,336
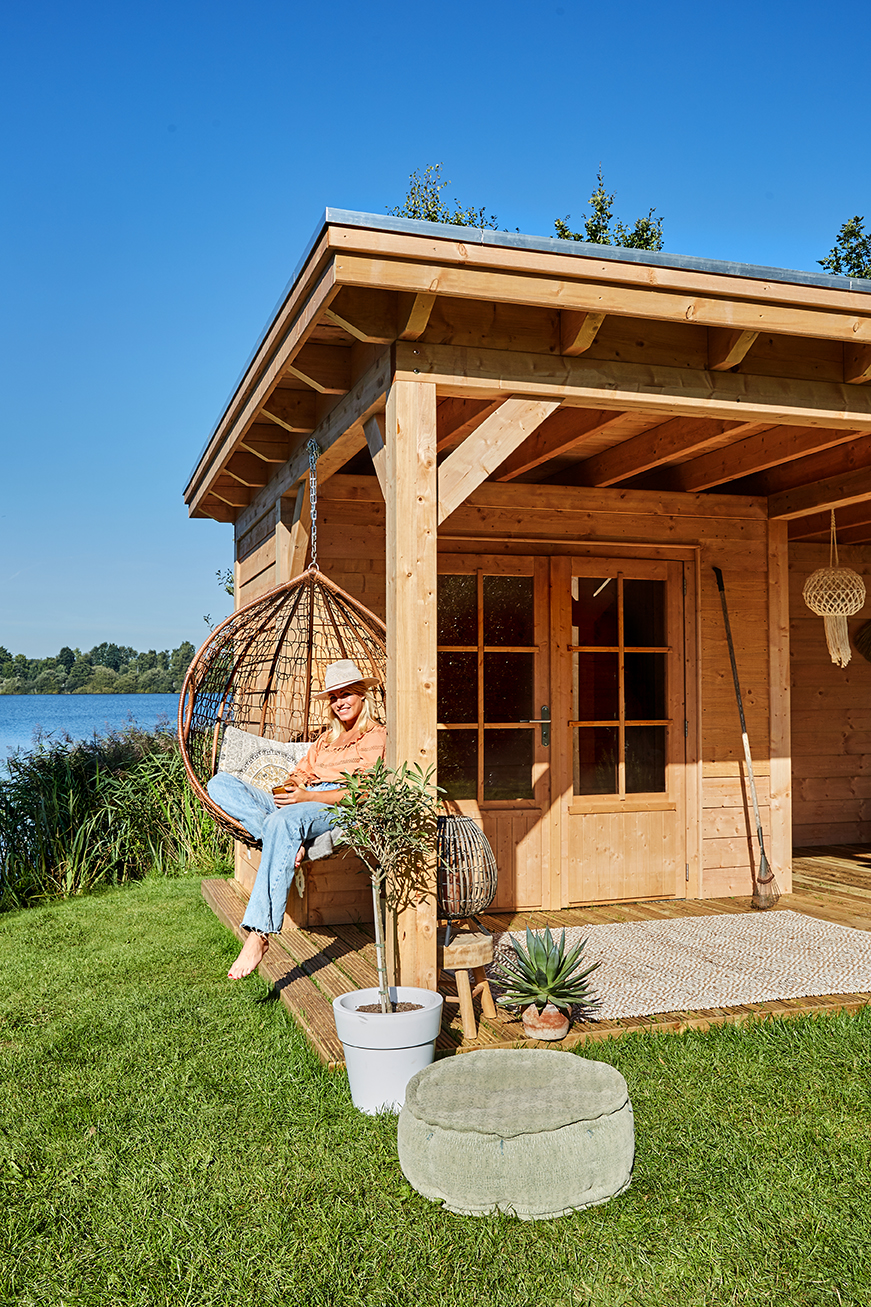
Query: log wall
x,y
831,714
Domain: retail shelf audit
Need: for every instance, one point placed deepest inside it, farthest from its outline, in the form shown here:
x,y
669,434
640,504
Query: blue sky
x,y
164,166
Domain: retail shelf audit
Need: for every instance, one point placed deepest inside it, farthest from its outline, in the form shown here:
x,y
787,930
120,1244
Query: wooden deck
x,y
310,968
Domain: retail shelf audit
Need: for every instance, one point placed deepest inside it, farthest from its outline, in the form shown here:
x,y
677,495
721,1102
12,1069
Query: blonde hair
x,y
368,714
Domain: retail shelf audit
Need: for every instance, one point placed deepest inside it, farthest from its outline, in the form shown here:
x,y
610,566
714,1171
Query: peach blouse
x,y
353,751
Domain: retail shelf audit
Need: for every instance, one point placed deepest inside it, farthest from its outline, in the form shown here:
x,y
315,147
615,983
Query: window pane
x,y
595,750
594,616
643,612
458,763
644,686
508,611
507,764
645,759
508,687
595,687
457,687
458,610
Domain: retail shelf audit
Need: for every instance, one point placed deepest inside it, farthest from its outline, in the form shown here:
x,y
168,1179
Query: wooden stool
x,y
469,951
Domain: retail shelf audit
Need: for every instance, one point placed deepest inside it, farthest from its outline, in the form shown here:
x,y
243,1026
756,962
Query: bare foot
x,y
253,952
300,855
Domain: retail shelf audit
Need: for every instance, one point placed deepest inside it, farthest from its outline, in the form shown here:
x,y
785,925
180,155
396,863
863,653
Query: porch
x,y
309,968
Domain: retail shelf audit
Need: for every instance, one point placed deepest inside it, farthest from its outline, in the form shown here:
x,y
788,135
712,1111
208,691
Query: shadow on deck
x,y
309,968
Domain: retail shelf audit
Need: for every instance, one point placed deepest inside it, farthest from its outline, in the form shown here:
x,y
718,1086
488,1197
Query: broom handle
x,y
763,860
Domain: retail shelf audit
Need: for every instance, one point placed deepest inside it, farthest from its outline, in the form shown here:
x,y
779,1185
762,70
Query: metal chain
x,y
314,450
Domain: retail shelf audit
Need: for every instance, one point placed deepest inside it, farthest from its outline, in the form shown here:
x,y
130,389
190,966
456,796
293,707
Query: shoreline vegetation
x,y
105,669
78,815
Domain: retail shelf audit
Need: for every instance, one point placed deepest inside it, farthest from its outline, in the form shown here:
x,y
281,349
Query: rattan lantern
x,y
835,593
467,871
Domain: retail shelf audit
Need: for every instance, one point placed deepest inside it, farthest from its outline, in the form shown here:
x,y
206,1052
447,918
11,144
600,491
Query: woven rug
x,y
694,963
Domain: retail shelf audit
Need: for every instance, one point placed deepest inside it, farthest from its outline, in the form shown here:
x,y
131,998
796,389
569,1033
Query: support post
x,y
779,705
292,534
411,505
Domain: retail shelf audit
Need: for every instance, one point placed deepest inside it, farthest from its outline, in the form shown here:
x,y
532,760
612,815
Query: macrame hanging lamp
x,y
258,669
835,593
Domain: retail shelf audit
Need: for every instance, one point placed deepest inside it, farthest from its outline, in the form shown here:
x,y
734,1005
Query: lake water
x,y
78,715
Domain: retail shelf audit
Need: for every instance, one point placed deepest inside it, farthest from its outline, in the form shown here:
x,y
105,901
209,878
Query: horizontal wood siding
x,y
831,714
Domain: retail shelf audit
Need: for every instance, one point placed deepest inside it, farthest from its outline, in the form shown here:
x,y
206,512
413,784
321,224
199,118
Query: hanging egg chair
x,y
253,678
835,593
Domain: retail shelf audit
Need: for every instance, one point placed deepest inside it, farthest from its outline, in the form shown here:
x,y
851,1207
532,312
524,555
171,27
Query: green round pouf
x,y
535,1133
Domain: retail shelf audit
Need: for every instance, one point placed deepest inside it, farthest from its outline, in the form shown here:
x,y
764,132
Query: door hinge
x,y
684,587
688,871
686,728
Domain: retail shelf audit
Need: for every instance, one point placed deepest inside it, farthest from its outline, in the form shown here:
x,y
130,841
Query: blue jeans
x,y
281,831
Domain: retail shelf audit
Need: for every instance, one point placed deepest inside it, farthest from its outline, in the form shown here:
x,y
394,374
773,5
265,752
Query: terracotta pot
x,y
550,1023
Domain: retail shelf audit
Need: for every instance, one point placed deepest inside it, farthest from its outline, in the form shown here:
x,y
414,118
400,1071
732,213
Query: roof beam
x,y
651,449
834,461
414,314
857,364
247,468
819,524
209,506
562,432
656,388
821,497
292,409
483,451
770,448
577,331
264,446
587,296
458,418
367,315
230,492
727,347
339,435
327,368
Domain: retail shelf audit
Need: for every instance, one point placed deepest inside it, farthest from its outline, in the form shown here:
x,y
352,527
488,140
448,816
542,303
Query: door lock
x,y
543,721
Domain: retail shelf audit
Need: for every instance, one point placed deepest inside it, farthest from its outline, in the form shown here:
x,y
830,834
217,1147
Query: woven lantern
x,y
467,872
835,593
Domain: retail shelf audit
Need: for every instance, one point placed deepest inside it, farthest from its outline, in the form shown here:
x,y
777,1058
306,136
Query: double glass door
x,y
562,722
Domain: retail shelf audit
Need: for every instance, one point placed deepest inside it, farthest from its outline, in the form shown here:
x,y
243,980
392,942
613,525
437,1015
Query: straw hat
x,y
341,675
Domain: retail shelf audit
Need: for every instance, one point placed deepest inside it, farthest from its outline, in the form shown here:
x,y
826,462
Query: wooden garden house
x,y
533,453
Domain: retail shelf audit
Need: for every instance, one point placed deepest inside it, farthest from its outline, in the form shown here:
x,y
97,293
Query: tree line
x,y
105,669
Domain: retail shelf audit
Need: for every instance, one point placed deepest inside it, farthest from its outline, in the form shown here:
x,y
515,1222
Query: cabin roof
x,y
671,372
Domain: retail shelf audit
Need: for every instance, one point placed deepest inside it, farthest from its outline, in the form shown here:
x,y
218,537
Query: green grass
x,y
168,1138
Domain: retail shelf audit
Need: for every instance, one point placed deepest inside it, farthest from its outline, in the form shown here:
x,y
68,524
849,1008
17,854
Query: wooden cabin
x,y
533,453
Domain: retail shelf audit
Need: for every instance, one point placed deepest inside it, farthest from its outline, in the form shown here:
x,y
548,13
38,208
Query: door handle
x,y
543,721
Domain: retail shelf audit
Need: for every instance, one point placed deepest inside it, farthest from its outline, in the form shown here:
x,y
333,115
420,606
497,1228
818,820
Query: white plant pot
x,y
383,1050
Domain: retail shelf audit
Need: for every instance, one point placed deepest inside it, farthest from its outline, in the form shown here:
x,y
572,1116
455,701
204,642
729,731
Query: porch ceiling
x,y
555,365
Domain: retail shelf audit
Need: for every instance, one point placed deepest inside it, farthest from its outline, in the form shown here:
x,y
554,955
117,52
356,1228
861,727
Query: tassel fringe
x,y
838,640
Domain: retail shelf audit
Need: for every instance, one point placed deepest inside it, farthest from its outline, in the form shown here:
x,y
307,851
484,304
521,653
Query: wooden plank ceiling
x,y
561,371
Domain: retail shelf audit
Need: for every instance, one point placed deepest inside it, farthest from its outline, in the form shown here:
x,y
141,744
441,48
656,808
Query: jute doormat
x,y
694,963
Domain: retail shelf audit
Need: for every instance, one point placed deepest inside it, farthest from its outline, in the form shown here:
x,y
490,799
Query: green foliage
x,y
106,669
168,1138
646,234
424,202
545,973
101,811
388,816
226,580
850,256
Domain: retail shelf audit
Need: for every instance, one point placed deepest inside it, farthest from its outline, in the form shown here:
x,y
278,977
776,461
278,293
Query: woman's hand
x,y
308,796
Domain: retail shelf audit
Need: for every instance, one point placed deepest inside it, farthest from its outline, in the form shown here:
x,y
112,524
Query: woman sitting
x,y
285,823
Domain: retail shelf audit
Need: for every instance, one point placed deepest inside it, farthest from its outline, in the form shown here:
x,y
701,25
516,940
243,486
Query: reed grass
x,y
75,815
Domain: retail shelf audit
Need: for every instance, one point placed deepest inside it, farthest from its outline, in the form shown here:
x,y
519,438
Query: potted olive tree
x,y
388,817
547,981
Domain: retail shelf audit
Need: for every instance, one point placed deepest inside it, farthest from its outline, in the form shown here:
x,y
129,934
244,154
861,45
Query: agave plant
x,y
544,972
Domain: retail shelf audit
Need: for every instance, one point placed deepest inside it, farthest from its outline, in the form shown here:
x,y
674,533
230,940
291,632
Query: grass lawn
x,y
167,1137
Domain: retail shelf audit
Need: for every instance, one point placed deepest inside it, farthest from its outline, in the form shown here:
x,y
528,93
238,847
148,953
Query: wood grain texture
x,y
487,447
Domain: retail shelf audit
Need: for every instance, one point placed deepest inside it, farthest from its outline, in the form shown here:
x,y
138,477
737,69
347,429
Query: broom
x,y
765,891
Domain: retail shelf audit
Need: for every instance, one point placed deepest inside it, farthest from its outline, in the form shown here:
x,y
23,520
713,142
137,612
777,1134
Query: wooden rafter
x,y
367,315
825,495
326,368
294,410
565,430
270,450
770,448
577,331
230,492
650,449
488,447
819,524
726,347
837,461
414,314
247,468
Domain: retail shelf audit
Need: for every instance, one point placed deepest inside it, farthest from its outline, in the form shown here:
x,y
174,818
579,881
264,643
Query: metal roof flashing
x,y
519,241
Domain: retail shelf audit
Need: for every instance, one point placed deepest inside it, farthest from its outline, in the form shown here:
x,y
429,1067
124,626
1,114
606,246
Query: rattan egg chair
x,y
257,671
